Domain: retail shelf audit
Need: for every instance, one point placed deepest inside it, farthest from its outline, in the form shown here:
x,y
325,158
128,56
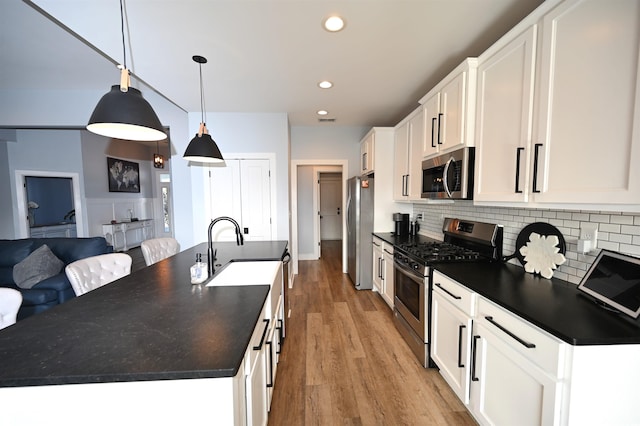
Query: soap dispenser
x,y
199,271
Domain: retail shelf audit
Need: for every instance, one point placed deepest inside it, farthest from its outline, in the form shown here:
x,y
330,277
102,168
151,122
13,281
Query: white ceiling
x,y
264,55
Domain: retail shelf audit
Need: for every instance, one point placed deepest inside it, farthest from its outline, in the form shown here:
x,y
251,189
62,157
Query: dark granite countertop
x,y
151,325
554,305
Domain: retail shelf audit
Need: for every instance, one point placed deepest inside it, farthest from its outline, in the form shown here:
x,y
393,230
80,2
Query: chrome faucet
x,y
211,255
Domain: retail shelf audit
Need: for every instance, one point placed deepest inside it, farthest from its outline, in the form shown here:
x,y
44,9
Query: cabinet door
x,y
377,265
503,122
588,90
452,122
450,343
414,160
432,126
367,154
400,158
387,273
506,388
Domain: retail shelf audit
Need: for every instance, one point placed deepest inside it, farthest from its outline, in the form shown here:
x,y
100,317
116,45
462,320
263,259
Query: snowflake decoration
x,y
542,255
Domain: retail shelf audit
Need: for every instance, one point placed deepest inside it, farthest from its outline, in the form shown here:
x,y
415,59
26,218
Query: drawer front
x,y
460,296
543,349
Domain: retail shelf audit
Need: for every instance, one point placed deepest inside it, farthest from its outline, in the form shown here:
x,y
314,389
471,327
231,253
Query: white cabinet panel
x,y
588,103
504,120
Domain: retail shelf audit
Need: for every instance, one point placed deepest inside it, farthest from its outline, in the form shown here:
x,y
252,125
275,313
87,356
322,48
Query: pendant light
x,y
123,113
202,147
158,159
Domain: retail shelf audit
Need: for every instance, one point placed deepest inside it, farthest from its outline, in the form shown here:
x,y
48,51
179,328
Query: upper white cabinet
x,y
407,171
576,140
367,152
449,111
379,142
504,119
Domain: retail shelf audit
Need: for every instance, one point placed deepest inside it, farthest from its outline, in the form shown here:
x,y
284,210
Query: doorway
x,y
330,207
303,218
27,213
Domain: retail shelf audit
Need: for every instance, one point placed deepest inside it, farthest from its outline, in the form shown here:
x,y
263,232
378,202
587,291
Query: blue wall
x,y
54,197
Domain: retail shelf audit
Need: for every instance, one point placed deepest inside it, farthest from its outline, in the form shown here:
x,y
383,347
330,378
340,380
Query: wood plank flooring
x,y
344,363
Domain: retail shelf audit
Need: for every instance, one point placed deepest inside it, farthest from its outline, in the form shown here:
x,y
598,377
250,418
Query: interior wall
x,y
43,150
616,231
235,134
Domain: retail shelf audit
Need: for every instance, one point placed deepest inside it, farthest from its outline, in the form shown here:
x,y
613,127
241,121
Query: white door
x,y
330,207
242,191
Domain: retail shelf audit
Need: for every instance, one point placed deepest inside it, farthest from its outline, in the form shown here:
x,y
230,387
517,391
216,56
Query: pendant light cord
x,y
124,51
201,95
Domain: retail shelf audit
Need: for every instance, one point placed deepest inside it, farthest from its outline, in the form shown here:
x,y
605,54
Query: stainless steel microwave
x,y
449,176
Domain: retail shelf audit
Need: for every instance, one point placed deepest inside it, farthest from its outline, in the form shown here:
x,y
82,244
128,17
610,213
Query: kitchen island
x,y
133,347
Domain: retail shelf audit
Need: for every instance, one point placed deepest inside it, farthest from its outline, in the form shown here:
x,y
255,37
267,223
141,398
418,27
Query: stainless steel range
x,y
464,241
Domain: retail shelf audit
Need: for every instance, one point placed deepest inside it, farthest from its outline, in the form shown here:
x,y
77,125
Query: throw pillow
x,y
38,266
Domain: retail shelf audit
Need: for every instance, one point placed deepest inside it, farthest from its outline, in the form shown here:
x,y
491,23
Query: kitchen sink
x,y
246,273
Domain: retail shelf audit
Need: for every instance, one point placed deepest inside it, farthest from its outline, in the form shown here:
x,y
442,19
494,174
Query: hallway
x,y
344,363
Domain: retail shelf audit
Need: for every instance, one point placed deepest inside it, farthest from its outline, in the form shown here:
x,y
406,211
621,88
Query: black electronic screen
x,y
614,279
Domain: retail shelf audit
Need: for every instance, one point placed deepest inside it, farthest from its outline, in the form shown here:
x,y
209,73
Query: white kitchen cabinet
x,y
383,203
256,374
242,191
388,292
407,171
367,154
452,308
383,269
517,370
584,141
507,388
504,120
377,264
449,111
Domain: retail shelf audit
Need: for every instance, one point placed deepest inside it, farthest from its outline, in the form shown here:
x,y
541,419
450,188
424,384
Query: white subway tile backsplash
x,y
607,227
616,231
629,229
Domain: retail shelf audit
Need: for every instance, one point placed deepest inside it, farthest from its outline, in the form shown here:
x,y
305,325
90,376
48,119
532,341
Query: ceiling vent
x,y
326,120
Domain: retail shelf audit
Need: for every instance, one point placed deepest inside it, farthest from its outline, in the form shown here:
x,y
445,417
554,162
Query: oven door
x,y
410,298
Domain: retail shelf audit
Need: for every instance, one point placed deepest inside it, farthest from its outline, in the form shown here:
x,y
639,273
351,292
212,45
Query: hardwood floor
x,y
344,363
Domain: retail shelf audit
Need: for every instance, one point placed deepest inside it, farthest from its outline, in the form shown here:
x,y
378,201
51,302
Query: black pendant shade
x,y
204,149
126,115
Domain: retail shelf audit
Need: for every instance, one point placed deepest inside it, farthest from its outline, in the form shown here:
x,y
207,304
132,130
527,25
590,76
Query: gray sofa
x,y
55,289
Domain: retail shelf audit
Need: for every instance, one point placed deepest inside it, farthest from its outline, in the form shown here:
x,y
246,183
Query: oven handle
x,y
410,272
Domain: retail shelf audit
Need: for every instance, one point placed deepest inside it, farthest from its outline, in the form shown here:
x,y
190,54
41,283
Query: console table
x,y
116,233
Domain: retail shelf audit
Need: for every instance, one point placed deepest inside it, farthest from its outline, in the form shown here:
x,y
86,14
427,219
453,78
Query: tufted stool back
x,y
93,272
156,249
10,301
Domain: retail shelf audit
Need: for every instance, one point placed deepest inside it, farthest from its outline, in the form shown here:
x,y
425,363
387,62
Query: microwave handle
x,y
445,173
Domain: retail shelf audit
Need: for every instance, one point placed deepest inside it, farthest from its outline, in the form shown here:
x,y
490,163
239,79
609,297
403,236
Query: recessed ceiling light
x,y
323,112
333,23
325,84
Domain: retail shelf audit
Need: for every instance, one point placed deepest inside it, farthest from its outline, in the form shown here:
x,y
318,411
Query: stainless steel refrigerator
x,y
359,230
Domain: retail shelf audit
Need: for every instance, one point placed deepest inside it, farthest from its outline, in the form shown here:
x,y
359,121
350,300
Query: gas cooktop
x,y
464,241
431,252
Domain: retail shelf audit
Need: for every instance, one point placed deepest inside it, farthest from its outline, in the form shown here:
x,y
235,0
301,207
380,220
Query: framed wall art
x,y
124,176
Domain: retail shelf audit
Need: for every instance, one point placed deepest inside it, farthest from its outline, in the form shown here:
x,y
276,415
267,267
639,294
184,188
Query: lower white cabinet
x,y
383,269
506,387
451,343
